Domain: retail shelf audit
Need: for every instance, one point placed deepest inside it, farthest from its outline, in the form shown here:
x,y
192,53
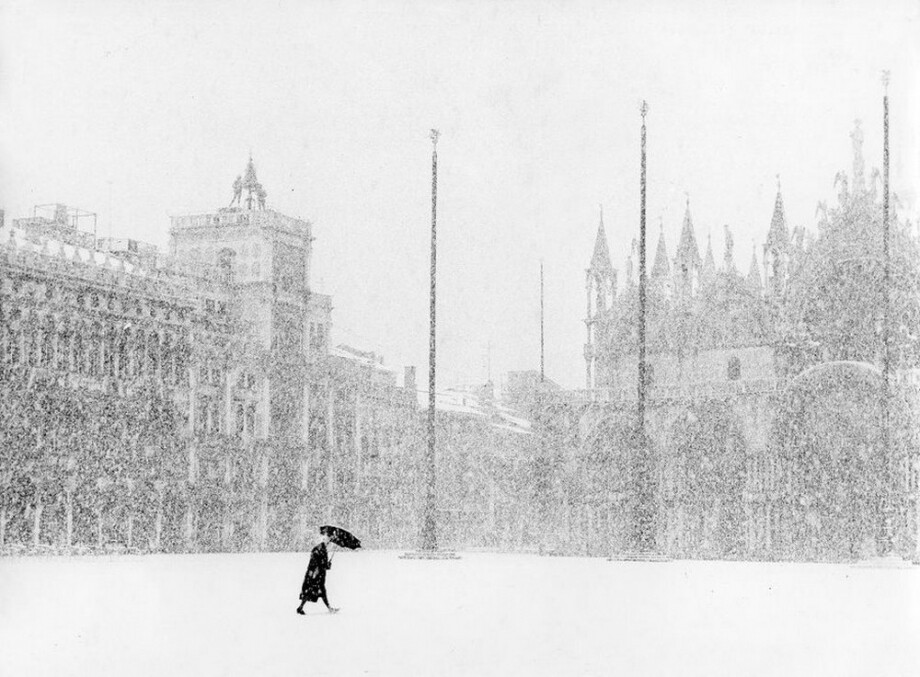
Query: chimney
x,y
409,379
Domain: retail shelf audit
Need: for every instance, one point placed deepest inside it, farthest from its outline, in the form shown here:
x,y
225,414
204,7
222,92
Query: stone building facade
x,y
186,401
765,391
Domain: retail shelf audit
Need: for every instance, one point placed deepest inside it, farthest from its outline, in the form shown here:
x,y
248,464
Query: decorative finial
x,y
886,78
687,195
778,185
661,224
434,137
643,109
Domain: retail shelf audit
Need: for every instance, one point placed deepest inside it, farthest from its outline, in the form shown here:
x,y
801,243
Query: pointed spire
x,y
661,267
709,263
632,275
600,261
688,254
728,262
778,236
753,276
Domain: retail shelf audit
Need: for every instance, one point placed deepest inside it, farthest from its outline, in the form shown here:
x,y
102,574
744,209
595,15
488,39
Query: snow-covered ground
x,y
485,614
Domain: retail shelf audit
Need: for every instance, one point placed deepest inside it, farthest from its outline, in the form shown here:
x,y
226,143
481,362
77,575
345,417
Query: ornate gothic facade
x,y
766,390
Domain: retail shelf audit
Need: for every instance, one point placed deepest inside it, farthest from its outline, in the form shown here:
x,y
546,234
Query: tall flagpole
x,y
887,536
429,529
644,537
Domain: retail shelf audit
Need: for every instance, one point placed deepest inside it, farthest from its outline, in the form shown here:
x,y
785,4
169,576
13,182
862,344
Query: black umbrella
x,y
341,537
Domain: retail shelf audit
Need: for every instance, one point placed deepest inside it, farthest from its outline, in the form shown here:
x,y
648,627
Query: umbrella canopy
x,y
340,537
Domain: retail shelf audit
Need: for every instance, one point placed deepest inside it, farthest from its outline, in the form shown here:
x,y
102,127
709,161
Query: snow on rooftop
x,y
468,404
20,240
344,353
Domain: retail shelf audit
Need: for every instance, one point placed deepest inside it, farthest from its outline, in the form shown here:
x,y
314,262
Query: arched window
x,y
124,354
251,419
79,353
64,346
154,354
140,353
10,342
240,419
96,352
225,260
108,355
48,344
167,361
181,373
734,368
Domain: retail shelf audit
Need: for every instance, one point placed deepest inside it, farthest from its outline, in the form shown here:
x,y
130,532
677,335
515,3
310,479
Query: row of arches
x,y
96,349
818,485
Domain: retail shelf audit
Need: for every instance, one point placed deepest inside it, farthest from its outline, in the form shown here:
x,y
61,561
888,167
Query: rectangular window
x,y
47,348
201,416
240,420
251,419
215,418
79,355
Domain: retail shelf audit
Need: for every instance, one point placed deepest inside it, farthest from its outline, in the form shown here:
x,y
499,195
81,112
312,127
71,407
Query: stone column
x,y
37,515
99,527
330,451
226,535
69,504
357,498
129,494
305,437
189,525
229,427
306,499
158,525
262,525
192,397
263,412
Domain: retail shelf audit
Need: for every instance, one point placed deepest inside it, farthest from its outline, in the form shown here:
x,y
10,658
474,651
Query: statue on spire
x,y
729,262
843,193
250,182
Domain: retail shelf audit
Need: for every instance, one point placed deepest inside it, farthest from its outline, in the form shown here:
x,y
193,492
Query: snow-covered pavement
x,y
485,614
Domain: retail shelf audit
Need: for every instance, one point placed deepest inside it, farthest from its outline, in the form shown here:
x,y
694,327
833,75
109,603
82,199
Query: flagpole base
x,y
638,557
429,554
891,561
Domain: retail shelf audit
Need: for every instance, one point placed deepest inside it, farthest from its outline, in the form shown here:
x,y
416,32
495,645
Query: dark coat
x,y
314,582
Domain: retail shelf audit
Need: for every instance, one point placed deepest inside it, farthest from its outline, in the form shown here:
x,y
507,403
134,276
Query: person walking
x,y
314,581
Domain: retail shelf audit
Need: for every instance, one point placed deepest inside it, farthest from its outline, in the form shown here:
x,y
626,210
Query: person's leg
x,y
303,596
331,609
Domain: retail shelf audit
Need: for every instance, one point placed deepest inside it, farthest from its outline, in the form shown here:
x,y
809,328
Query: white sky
x,y
138,110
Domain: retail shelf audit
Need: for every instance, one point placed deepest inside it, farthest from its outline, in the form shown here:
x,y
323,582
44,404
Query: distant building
x,y
485,469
